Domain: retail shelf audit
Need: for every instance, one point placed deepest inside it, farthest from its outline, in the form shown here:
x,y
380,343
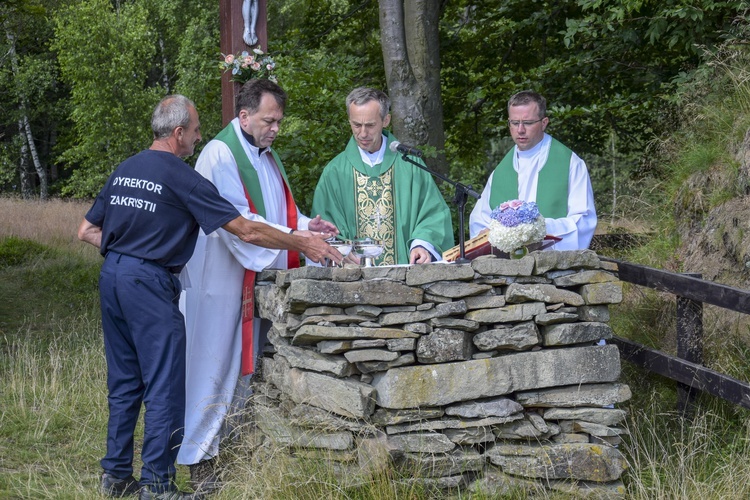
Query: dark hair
x,y
173,111
252,92
527,97
363,95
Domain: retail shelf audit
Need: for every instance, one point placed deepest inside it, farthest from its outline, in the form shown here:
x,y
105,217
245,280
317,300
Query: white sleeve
x,y
480,216
577,229
217,164
303,221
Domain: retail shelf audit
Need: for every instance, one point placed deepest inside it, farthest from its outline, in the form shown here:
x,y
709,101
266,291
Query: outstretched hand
x,y
318,224
316,249
321,235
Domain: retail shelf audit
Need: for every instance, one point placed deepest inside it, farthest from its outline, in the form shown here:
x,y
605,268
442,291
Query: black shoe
x,y
203,477
112,486
147,494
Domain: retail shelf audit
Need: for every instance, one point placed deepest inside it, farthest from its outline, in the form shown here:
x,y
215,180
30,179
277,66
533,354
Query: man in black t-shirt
x,y
145,222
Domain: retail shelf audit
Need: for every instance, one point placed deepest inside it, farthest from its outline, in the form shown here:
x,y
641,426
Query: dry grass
x,y
53,408
54,222
54,411
673,458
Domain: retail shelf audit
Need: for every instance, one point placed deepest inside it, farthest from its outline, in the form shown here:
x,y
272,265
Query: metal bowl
x,y
368,248
343,246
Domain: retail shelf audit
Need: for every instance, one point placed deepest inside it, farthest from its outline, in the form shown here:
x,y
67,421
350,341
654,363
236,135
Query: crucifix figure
x,y
250,16
243,24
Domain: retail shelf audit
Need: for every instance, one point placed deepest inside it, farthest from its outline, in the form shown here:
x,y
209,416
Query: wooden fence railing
x,y
687,367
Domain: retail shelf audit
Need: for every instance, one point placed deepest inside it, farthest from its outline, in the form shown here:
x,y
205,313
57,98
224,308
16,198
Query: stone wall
x,y
484,376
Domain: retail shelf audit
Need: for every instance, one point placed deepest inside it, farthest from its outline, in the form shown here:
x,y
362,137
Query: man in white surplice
x,y
540,169
247,172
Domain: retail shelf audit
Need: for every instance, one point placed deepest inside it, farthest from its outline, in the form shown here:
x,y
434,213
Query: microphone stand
x,y
462,194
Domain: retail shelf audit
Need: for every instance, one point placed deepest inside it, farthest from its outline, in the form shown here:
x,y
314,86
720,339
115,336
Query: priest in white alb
x,y
223,337
539,168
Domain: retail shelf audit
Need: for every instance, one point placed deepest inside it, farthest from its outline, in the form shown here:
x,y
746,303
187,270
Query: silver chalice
x,y
343,246
368,249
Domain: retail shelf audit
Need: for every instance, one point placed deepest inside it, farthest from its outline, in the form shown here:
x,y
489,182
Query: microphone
x,y
396,146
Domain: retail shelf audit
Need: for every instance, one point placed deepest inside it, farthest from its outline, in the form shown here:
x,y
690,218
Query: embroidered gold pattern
x,y
375,212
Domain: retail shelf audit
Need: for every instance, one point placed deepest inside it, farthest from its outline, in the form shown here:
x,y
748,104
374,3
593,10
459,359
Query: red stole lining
x,y
248,282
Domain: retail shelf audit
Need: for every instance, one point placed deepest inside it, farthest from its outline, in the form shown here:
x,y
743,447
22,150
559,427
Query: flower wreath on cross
x,y
246,66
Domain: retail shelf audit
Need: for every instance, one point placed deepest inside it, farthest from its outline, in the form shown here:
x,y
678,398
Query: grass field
x,y
53,398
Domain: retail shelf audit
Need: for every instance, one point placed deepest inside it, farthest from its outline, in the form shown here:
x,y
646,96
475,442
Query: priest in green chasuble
x,y
370,191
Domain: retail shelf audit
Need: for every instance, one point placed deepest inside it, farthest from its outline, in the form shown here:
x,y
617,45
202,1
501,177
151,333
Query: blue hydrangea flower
x,y
523,213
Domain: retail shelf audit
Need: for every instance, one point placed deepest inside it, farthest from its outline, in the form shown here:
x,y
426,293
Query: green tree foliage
x,y
29,87
324,49
608,69
197,77
604,67
119,60
105,56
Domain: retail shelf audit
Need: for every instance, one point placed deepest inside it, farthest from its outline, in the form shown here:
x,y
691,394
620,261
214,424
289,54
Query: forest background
x,y
655,96
79,79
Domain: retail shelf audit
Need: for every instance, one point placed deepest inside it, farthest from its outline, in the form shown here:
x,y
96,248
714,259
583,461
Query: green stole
x,y
395,249
254,196
376,215
247,173
552,186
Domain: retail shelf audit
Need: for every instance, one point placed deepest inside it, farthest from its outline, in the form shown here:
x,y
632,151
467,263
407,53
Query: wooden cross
x,y
232,30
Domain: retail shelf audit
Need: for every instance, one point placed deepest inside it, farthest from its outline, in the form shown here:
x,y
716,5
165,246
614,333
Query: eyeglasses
x,y
525,123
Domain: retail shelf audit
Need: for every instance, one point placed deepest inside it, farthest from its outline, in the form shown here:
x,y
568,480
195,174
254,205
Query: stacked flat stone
x,y
486,376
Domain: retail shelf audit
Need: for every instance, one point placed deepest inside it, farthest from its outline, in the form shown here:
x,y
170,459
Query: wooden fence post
x,y
692,293
689,346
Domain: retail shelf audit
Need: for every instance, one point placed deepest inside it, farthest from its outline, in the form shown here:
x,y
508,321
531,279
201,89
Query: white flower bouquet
x,y
514,225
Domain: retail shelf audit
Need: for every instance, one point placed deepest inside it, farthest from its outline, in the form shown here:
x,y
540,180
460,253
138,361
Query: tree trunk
x,y
24,172
27,137
411,53
54,174
164,66
40,171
